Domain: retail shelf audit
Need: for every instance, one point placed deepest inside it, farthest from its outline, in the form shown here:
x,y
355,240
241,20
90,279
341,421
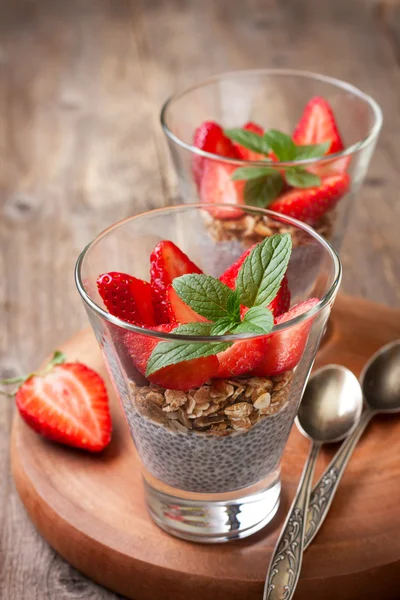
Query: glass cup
x,y
211,454
274,99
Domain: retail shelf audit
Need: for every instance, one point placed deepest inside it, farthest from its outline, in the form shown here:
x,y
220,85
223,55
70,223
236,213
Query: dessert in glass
x,y
209,345
294,142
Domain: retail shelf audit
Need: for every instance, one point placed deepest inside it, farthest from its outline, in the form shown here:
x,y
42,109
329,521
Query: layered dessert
x,y
296,188
210,412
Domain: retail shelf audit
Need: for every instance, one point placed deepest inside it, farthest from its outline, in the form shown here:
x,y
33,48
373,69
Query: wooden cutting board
x,y
91,508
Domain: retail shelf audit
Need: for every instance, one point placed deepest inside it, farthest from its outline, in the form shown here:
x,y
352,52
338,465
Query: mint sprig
x,y
257,284
265,184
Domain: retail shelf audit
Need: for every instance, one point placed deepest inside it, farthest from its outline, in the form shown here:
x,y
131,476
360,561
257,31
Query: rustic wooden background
x,y
81,84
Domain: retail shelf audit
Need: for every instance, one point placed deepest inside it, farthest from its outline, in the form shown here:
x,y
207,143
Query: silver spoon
x,y
380,381
329,411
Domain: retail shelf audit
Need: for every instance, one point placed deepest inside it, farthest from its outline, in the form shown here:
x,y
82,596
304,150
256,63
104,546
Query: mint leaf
x,y
233,306
312,150
261,274
281,144
262,191
248,139
253,172
204,294
223,325
258,319
171,353
300,178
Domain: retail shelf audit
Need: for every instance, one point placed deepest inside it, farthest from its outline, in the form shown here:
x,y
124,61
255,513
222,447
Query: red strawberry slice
x,y
127,298
217,186
179,311
210,137
245,153
317,125
182,376
167,261
310,204
285,349
68,404
241,357
279,304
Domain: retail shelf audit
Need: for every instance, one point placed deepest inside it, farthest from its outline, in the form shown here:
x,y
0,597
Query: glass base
x,y
219,518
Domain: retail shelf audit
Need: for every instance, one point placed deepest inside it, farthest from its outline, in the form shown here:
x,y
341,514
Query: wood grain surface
x,y
80,147
99,521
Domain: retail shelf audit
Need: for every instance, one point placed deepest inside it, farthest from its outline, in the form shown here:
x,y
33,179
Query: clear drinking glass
x,y
274,99
210,455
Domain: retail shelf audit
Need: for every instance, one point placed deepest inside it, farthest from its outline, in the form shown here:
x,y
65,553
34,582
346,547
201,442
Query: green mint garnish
x,y
257,284
265,184
261,274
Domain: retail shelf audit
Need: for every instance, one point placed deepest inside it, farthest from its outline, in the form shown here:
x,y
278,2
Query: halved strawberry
x,y
179,311
210,137
217,186
182,376
285,349
317,125
167,261
279,304
241,357
310,204
67,404
127,298
246,153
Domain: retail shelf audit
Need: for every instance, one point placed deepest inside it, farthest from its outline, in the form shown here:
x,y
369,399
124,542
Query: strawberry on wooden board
x,y
245,153
66,403
181,376
217,186
210,137
285,348
279,304
310,204
167,261
317,125
179,311
126,297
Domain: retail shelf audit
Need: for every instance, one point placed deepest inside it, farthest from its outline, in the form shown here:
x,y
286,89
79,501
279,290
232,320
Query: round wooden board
x,y
91,508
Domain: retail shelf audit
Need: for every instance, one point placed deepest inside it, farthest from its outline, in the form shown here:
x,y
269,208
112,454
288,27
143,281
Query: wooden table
x,y
81,147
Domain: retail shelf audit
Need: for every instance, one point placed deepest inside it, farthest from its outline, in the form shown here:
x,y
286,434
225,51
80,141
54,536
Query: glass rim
x,y
322,303
356,147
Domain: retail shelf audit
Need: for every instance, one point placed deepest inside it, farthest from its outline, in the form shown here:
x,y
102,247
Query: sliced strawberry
x,y
279,304
69,405
179,311
127,298
210,137
285,349
241,357
317,125
167,261
245,153
182,376
217,186
310,204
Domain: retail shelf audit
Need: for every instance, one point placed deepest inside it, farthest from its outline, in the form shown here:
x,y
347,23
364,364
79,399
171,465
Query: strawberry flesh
x,y
182,376
210,137
217,186
245,153
310,204
318,125
285,348
127,298
241,357
179,311
167,261
68,405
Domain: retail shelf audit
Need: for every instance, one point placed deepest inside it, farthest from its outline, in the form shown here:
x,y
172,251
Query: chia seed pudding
x,y
226,435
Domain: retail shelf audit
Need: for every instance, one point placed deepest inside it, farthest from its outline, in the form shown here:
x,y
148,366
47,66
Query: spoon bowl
x,y
380,380
331,406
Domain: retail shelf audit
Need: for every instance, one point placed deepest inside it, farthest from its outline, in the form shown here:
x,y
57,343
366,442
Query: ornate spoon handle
x,y
284,569
324,491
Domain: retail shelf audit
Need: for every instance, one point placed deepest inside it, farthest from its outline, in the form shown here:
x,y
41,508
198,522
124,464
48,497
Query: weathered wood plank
x,y
81,147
